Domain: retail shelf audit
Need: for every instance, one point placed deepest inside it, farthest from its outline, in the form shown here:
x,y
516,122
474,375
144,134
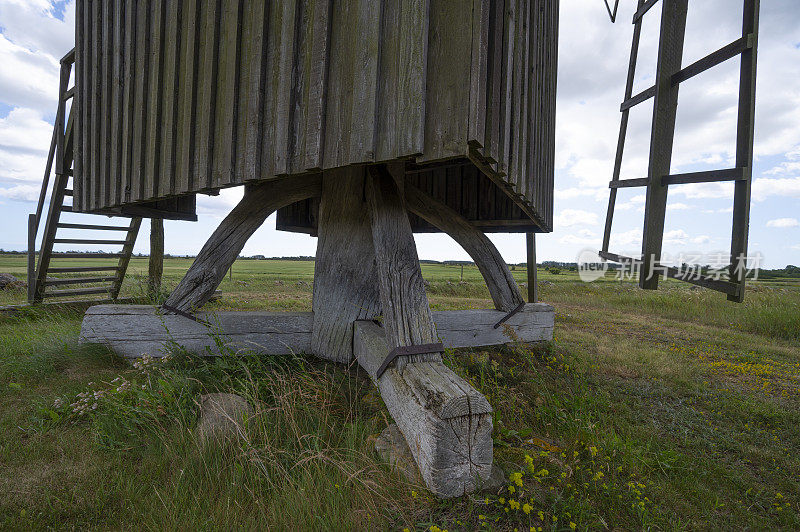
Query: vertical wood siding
x,y
182,96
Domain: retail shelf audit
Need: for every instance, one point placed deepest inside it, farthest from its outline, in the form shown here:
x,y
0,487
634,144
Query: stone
x,y
222,416
9,282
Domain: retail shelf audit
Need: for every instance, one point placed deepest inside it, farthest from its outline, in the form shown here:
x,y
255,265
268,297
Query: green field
x,y
672,409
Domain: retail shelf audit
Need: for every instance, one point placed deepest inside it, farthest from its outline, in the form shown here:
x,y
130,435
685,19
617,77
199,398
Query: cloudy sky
x,y
34,34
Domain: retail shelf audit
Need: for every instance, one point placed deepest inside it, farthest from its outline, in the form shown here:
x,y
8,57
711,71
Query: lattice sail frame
x,y
669,76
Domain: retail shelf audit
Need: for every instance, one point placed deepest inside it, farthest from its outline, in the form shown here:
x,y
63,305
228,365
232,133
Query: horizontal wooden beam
x,y
639,98
86,241
78,280
62,225
132,330
79,291
626,183
613,257
77,269
708,176
691,277
713,59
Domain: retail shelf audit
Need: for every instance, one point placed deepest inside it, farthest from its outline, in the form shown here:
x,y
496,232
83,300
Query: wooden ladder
x,y
669,75
96,279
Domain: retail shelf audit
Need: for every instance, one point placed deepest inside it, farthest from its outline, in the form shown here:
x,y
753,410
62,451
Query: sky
x,y
593,60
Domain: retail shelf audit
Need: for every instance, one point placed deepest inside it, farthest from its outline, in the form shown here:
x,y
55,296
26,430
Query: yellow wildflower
x,y
572,525
511,489
527,508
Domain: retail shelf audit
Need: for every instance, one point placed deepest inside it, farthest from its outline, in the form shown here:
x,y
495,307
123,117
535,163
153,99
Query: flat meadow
x,y
672,409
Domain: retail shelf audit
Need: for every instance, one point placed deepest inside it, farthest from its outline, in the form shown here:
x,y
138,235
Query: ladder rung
x,y
625,183
709,176
69,94
639,98
68,192
66,208
93,227
713,59
76,269
86,256
674,273
725,287
85,241
617,258
79,280
644,9
78,292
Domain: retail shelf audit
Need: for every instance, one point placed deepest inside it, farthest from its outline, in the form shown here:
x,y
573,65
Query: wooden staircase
x,y
72,274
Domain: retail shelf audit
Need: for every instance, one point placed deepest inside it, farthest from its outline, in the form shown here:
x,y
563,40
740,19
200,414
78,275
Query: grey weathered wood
x,y
155,263
446,422
502,286
665,104
345,279
224,245
132,330
206,95
404,304
533,285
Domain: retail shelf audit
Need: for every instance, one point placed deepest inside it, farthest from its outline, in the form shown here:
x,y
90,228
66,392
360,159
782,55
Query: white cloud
x,y
702,239
24,142
219,206
21,193
783,222
764,188
572,217
678,207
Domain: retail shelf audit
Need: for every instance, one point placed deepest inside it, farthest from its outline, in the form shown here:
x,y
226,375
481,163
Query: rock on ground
x,y
8,282
222,416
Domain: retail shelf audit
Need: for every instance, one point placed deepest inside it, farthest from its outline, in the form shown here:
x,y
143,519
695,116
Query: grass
x,y
650,410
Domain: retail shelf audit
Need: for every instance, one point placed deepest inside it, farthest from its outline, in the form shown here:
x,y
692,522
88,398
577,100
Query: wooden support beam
x,y
345,279
450,437
670,53
227,241
744,149
533,285
405,310
623,128
132,330
502,286
155,263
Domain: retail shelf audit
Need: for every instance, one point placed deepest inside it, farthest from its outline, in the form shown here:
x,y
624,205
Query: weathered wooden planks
x,y
227,241
132,330
450,436
502,286
345,280
184,96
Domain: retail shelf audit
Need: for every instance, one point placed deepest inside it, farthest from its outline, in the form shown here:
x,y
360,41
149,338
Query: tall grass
x,y
306,455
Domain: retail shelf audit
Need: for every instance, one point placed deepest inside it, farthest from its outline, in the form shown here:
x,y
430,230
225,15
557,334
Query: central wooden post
x,y
345,280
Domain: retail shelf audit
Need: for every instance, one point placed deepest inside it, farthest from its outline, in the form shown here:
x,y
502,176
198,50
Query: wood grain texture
x,y
227,241
217,93
445,421
405,310
345,276
132,330
502,286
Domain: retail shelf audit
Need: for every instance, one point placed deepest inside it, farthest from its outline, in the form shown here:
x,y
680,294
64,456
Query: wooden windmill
x,y
359,122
